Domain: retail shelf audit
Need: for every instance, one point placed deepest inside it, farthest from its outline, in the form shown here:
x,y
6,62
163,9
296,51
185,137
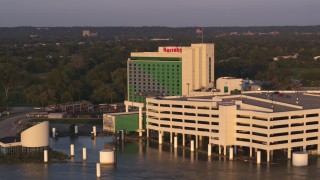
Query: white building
x,y
226,85
316,58
33,139
256,121
294,56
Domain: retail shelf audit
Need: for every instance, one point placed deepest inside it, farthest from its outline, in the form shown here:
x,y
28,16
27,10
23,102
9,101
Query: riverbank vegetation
x,y
54,156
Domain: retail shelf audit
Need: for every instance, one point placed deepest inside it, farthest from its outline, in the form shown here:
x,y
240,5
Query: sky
x,y
171,13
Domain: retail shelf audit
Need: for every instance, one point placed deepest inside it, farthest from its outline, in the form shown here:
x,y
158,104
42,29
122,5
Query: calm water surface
x,y
144,160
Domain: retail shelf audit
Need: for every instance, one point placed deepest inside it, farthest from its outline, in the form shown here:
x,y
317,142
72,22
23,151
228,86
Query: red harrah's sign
x,y
172,49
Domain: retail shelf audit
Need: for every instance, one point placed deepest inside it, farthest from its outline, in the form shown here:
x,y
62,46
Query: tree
x,y
103,93
38,95
9,78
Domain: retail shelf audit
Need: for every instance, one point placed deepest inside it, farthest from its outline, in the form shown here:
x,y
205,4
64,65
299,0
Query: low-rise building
x,y
33,139
229,85
128,122
266,121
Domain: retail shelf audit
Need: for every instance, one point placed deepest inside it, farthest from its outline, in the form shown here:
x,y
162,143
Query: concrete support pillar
x,y
53,132
224,150
230,153
200,138
176,142
160,137
72,150
45,156
140,121
84,154
94,130
192,146
183,140
170,137
98,170
250,151
258,157
219,149
289,153
127,108
209,149
268,156
147,132
197,143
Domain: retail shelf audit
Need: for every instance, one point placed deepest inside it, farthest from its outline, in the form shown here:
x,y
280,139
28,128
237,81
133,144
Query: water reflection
x,y
160,152
148,160
94,142
175,154
192,157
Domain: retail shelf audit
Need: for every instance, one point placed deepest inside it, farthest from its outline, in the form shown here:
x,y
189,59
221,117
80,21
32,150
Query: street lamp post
x,y
272,103
213,88
297,101
133,95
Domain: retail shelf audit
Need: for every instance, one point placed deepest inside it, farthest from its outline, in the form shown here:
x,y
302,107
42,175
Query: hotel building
x,y
172,71
264,121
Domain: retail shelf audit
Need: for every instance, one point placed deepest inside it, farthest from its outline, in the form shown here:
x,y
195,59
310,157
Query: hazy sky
x,y
173,13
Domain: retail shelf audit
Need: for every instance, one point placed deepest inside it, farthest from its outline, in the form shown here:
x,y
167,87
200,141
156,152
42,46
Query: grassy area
x,y
70,121
54,156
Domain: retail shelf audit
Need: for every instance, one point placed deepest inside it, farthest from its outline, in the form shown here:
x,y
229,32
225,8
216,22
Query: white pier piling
x,y
72,150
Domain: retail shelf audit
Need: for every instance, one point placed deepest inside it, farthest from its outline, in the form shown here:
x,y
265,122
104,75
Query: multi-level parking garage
x,y
259,121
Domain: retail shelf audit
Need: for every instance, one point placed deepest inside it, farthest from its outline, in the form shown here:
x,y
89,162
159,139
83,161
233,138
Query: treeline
x,y
48,71
143,32
44,71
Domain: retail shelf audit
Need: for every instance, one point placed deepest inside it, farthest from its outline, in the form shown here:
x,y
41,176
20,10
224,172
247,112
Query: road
x,y
8,127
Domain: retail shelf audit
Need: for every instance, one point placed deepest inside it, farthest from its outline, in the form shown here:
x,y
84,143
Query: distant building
x,y
294,56
88,33
316,58
34,35
161,39
85,33
234,33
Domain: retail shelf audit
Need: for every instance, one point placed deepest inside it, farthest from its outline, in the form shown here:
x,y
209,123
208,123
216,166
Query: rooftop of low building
x,y
277,101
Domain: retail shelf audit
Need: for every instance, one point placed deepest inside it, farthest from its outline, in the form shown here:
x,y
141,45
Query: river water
x,y
146,160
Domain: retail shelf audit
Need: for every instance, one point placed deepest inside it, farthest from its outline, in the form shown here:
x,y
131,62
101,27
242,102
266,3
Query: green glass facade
x,y
129,122
154,76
